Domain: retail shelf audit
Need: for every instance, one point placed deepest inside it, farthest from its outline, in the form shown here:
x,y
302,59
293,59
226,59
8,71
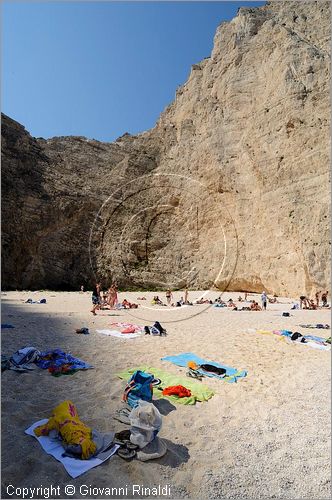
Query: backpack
x,y
156,329
138,387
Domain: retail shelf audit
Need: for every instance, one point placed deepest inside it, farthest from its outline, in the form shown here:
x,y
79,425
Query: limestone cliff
x,y
229,188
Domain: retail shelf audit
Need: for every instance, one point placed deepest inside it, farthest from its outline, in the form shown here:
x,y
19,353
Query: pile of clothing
x,y
56,361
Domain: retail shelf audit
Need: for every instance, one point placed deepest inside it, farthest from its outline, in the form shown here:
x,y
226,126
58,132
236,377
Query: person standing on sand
x,y
186,295
169,296
264,300
324,299
112,296
245,296
96,300
317,298
116,297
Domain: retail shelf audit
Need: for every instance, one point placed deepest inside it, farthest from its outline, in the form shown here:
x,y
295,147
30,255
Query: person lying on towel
x,y
65,421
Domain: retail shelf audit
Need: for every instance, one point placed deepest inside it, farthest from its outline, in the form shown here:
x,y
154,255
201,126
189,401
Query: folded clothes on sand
x,y
199,391
177,390
129,326
74,466
231,376
115,333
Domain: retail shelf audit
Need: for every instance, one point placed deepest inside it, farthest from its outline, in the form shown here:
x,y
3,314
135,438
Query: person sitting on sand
x,y
239,298
255,306
156,301
96,300
231,303
312,304
272,300
201,301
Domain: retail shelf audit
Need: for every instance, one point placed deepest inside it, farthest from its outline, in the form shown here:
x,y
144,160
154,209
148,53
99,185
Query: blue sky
x,y
100,69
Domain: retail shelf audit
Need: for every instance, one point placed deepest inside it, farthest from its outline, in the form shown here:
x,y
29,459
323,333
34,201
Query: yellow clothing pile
x,y
65,420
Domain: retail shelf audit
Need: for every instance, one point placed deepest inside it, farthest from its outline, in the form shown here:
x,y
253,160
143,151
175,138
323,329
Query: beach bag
x,y
286,314
24,356
139,387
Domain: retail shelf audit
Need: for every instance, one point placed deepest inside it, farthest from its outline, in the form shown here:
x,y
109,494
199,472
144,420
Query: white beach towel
x,y
74,466
115,333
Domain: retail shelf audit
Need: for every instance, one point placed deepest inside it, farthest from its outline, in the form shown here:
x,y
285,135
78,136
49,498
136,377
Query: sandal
x,y
126,454
122,416
194,374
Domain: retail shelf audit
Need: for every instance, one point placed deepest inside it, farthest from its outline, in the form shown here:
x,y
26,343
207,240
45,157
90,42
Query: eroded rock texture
x,y
229,188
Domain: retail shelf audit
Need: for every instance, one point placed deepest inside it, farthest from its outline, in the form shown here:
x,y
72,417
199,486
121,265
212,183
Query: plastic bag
x,y
145,421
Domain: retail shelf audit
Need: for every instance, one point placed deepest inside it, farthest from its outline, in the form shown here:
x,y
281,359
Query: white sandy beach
x,y
267,436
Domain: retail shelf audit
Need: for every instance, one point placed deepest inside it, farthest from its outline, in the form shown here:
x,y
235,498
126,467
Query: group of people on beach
x,y
102,298
109,299
184,301
306,303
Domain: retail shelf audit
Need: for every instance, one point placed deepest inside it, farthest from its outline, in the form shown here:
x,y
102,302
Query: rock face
x,y
229,189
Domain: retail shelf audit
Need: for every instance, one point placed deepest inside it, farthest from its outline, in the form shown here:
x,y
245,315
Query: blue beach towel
x,y
316,339
232,374
57,358
6,325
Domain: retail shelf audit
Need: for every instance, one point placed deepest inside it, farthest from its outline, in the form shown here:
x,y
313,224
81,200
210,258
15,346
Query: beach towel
x,y
318,325
199,391
56,359
115,333
74,466
311,340
6,325
30,301
232,374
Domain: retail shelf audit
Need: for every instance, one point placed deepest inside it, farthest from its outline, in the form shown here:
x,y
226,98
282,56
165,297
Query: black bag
x,y
213,369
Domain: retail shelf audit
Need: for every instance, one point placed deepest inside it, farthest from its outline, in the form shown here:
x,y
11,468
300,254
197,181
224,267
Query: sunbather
x,y
128,305
255,306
